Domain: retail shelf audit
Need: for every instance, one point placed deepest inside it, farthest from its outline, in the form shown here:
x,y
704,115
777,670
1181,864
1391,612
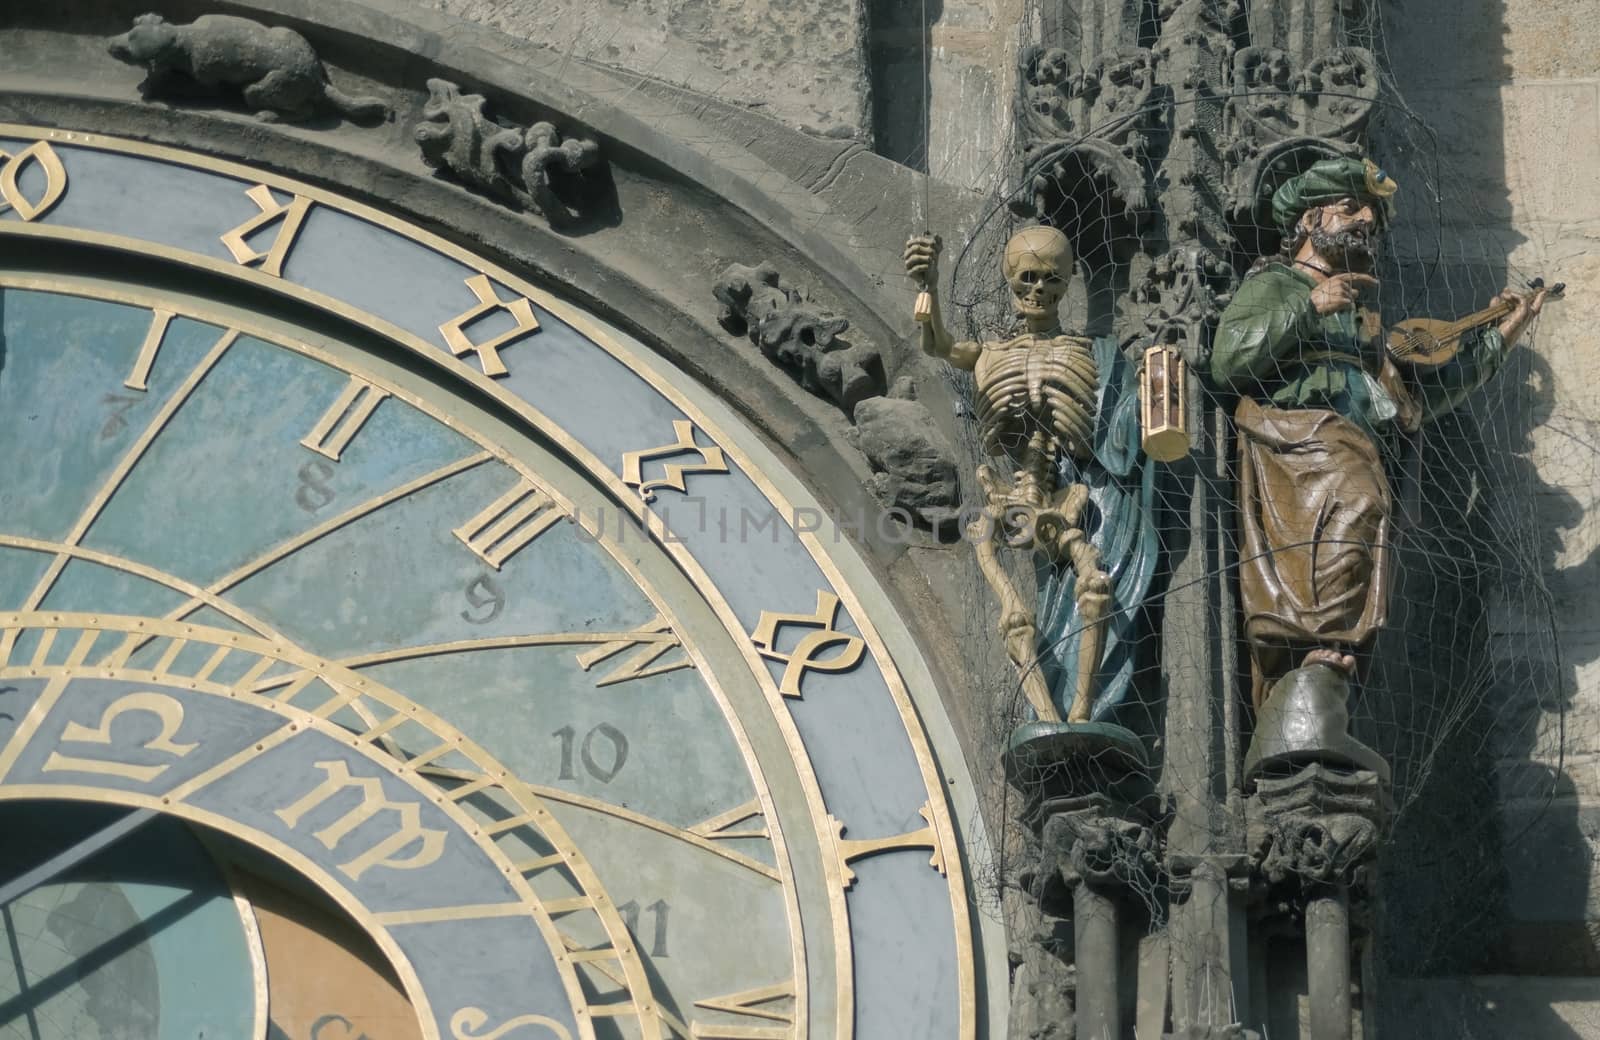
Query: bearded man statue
x,y
1321,389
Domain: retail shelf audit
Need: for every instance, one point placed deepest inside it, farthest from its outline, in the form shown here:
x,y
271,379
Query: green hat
x,y
1330,180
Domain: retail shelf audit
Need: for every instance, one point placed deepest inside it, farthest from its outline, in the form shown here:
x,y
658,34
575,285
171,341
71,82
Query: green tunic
x,y
1273,346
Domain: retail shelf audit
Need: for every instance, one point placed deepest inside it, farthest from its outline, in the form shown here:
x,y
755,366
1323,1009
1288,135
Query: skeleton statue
x,y
1036,400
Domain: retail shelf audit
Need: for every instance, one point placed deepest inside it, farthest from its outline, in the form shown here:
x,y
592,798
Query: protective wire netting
x,y
1464,691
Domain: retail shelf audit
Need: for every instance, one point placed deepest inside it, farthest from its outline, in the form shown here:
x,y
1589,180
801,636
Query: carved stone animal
x,y
547,153
275,69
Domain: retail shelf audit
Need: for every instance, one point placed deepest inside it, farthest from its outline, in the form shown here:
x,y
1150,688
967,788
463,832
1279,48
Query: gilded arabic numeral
x,y
344,418
712,461
288,216
139,378
168,713
751,1003
410,832
603,773
460,344
469,1023
38,155
649,643
484,595
806,655
511,522
658,913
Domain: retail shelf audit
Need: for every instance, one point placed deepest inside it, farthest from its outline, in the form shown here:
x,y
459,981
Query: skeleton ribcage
x,y
1026,386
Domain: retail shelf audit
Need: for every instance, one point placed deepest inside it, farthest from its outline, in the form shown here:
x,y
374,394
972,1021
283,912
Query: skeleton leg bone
x,y
1093,594
1017,623
1094,605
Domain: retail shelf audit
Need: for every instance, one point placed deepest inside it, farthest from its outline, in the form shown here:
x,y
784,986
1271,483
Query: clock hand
x,y
68,858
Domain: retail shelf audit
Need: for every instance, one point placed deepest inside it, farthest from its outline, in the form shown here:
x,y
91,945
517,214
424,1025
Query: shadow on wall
x,y
899,42
1488,870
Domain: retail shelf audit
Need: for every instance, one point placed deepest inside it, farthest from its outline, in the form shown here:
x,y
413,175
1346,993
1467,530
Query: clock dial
x,y
395,551
459,609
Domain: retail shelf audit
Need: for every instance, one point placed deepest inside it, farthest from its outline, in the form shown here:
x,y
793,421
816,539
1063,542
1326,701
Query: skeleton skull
x,y
1037,261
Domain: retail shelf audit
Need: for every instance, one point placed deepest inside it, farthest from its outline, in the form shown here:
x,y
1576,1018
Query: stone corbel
x,y
1105,854
1313,837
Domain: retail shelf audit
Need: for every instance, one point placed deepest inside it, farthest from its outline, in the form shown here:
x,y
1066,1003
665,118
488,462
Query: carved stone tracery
x,y
1085,135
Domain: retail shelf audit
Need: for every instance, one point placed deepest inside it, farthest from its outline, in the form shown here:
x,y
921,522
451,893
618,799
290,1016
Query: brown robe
x,y
1314,517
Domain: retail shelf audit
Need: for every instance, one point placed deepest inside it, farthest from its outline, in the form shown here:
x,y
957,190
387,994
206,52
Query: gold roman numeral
x,y
139,378
288,216
748,1004
344,418
850,850
511,522
649,643
39,154
807,654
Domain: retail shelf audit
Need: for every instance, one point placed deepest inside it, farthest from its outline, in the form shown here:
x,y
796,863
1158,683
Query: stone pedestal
x,y
1313,837
1087,797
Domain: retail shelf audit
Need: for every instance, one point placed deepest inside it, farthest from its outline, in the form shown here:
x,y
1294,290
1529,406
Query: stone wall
x,y
799,62
1512,90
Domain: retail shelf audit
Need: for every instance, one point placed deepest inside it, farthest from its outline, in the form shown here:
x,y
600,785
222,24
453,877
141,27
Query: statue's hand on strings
x,y
1340,292
1527,307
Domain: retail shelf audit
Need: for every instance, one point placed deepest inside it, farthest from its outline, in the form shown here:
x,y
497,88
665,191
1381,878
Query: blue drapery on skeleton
x,y
1120,522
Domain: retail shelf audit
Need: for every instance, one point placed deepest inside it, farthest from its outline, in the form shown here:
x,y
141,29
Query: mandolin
x,y
1430,342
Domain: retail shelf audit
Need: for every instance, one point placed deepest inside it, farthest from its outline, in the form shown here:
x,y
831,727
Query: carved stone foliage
x,y
1084,131
1320,826
1184,293
914,466
799,335
1281,117
1100,849
534,167
275,70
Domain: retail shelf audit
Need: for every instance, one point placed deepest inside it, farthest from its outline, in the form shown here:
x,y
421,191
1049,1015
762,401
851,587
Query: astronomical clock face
x,y
389,650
